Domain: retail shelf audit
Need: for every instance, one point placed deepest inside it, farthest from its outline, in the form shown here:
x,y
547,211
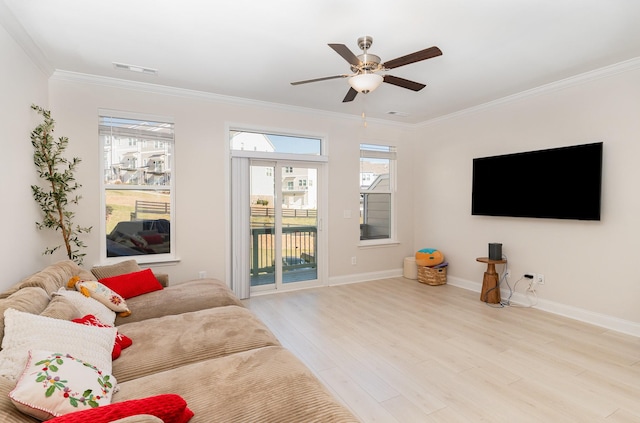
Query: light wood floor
x,y
395,350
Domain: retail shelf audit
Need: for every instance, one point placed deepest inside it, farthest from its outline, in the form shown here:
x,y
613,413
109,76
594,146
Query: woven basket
x,y
432,276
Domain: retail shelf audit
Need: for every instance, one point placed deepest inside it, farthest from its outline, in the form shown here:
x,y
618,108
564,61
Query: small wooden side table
x,y
490,292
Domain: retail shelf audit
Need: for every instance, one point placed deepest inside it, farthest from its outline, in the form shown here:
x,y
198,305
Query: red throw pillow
x,y
170,408
121,342
133,284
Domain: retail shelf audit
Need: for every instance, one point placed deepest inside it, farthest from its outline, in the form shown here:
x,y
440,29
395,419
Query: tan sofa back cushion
x,y
52,277
108,271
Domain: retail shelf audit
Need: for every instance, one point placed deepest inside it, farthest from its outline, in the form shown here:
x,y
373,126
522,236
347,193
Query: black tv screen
x,y
558,183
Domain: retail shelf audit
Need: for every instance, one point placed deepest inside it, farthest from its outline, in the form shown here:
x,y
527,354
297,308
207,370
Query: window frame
x,y
376,150
142,258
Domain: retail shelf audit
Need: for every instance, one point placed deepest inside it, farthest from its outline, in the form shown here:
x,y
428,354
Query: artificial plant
x,y
59,186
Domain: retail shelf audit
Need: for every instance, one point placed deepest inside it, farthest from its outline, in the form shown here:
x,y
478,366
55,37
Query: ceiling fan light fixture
x,y
365,82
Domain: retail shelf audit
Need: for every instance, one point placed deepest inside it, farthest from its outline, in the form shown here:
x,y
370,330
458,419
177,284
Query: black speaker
x,y
495,251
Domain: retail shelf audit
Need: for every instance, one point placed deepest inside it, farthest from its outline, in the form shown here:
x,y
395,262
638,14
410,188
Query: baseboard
x,y
576,313
363,277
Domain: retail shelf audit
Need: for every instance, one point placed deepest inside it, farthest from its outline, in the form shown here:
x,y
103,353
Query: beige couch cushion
x,y
127,266
173,341
52,277
198,294
61,308
262,385
30,300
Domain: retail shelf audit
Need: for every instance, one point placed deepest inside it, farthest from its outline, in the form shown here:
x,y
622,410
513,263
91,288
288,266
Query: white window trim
x,y
323,195
392,155
147,259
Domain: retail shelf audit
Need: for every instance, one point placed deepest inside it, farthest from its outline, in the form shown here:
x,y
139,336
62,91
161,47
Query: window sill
x,y
375,243
143,260
150,261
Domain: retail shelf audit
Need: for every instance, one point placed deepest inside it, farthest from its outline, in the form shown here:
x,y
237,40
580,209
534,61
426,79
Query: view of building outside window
x,y
377,167
138,163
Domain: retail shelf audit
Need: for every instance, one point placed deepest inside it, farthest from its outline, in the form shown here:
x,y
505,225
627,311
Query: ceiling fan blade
x,y
351,94
404,83
346,54
427,53
319,79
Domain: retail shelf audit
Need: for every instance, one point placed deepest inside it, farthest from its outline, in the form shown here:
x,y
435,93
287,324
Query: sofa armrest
x,y
163,278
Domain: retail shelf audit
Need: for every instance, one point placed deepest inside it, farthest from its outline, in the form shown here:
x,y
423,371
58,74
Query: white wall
x,y
201,210
21,84
589,266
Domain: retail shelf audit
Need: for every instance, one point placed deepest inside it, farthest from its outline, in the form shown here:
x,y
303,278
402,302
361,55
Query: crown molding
x,y
15,29
110,82
605,72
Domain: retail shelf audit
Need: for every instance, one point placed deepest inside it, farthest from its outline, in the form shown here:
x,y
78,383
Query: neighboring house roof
x,y
251,141
380,183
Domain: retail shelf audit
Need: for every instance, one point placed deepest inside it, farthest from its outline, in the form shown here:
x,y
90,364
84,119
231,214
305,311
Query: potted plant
x,y
58,187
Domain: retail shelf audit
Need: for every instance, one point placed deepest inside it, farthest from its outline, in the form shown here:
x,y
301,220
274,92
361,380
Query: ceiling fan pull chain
x,y
364,111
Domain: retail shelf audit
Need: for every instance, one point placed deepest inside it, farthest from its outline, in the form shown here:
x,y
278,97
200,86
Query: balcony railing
x,y
271,212
298,248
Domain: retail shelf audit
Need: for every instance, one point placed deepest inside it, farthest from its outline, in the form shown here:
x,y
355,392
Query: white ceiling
x,y
254,49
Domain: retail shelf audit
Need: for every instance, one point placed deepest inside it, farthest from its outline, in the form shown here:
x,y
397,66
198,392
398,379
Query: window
x,y
377,186
274,143
138,186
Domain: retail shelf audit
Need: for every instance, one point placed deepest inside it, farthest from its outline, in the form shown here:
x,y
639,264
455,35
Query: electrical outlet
x,y
508,274
202,274
354,261
540,279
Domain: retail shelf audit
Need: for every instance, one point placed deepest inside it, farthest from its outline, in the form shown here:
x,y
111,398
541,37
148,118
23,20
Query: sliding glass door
x,y
283,224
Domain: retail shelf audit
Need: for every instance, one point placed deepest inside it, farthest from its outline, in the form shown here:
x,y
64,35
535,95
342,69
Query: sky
x,y
298,145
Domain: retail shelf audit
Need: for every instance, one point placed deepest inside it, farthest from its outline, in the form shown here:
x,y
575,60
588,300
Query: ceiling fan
x,y
365,67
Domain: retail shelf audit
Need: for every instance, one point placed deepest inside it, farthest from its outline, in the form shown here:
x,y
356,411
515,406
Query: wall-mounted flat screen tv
x,y
558,183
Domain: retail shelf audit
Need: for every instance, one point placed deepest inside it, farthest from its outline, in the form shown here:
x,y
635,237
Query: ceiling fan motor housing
x,y
368,63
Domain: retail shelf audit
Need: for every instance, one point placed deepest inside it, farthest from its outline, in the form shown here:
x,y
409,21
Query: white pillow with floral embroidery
x,y
53,384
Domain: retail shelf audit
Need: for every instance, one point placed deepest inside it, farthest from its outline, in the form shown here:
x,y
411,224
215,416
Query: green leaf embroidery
x,y
50,390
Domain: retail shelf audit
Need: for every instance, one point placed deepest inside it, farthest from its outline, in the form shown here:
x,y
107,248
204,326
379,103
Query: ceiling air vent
x,y
396,113
135,68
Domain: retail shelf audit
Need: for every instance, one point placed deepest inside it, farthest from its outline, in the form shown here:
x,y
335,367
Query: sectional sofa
x,y
193,344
